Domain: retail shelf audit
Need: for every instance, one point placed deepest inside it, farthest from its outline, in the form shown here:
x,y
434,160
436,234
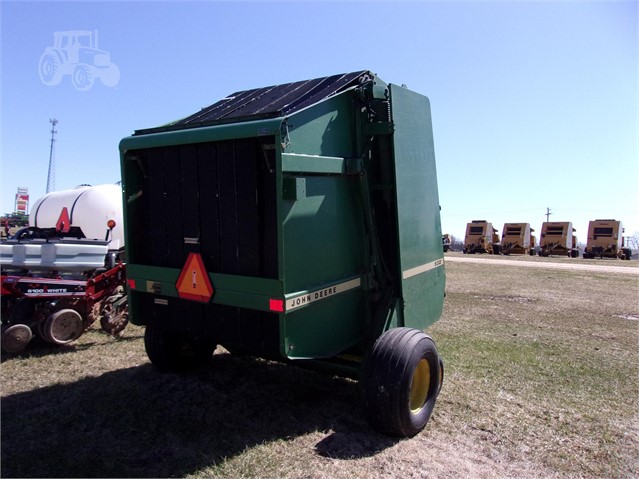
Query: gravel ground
x,y
533,264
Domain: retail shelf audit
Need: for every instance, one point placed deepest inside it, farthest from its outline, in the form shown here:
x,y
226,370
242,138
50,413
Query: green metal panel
x,y
295,163
230,290
204,134
324,129
321,234
323,322
419,226
321,244
321,229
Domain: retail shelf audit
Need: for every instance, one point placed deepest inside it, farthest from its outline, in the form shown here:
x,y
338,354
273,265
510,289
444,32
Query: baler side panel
x,y
420,251
322,244
325,129
322,231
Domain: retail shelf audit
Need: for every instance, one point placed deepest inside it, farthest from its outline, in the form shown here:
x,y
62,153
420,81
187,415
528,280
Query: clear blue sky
x,y
534,104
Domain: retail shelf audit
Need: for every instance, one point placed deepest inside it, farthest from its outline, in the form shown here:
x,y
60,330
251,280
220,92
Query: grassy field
x,y
542,378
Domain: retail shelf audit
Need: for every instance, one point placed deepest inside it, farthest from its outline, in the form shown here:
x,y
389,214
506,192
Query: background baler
x,y
481,237
558,238
517,238
298,222
605,240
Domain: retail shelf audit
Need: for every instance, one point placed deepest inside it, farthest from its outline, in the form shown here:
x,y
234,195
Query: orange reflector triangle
x,y
64,223
194,283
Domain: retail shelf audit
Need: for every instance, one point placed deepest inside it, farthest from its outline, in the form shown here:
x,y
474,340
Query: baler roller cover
x,y
268,102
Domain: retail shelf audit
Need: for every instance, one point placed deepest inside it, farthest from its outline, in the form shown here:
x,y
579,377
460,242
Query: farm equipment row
x,y
605,239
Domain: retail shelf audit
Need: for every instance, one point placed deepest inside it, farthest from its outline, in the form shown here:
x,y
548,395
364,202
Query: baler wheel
x,y
401,381
170,351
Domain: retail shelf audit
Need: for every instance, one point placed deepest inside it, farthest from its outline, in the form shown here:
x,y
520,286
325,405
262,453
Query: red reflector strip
x,y
276,305
131,283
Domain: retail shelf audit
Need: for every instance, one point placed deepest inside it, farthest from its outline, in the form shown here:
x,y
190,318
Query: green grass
x,y
555,361
541,380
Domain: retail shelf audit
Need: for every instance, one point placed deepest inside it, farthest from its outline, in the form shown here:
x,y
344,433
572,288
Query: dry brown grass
x,y
541,381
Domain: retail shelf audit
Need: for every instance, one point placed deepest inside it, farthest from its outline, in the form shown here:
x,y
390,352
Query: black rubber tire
x,y
392,370
169,351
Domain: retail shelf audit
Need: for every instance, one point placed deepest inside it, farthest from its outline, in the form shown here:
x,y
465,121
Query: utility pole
x,y
51,175
548,213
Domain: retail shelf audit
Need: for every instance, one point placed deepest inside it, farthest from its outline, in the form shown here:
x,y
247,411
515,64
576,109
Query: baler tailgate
x,y
420,252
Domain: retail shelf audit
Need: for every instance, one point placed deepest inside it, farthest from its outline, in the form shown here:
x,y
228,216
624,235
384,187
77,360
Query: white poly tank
x,y
88,207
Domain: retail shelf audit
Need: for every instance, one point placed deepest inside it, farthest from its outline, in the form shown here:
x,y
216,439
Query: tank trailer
x,y
65,270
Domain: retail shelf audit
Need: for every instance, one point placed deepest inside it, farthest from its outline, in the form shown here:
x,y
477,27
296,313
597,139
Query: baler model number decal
x,y
409,273
304,299
41,289
47,291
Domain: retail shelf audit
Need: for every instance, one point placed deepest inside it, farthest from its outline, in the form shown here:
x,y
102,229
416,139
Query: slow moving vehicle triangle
x,y
194,283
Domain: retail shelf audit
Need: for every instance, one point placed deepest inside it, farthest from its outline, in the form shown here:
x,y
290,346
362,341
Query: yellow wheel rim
x,y
419,386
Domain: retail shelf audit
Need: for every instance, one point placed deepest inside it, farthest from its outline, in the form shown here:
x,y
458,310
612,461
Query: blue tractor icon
x,y
76,53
